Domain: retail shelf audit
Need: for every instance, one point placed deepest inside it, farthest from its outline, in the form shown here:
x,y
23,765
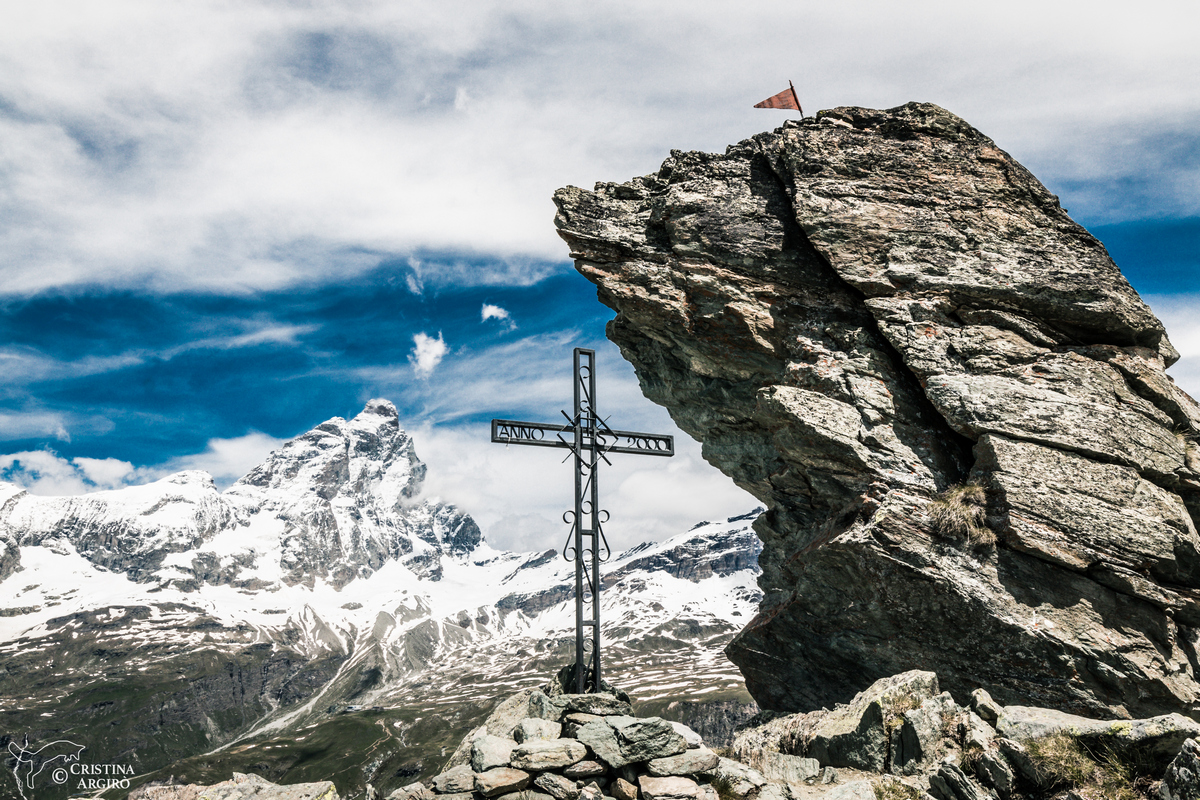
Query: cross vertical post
x,y
591,440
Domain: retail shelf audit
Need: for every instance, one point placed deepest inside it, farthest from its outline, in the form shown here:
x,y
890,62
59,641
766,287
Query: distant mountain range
x,y
319,608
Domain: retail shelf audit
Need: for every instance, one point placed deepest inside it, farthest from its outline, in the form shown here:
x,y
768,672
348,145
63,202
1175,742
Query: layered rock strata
x,y
903,732
952,403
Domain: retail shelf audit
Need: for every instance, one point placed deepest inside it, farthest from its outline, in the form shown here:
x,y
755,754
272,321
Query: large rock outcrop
x,y
952,403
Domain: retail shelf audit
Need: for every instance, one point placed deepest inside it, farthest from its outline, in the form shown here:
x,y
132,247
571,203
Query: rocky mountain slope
x,y
952,403
319,605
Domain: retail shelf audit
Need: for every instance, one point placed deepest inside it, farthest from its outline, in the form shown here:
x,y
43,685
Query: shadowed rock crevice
x,y
839,310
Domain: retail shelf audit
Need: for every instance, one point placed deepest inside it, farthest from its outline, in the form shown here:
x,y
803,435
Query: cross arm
x,y
642,444
538,434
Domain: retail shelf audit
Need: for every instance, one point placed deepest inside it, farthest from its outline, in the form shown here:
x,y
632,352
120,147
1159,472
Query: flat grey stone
x,y
241,787
540,755
557,786
743,781
532,729
489,751
670,788
1160,736
583,770
501,780
784,768
600,704
413,791
642,739
455,780
692,738
688,762
580,718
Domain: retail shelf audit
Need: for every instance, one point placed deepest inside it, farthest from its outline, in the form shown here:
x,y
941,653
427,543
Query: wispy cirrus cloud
x,y
251,146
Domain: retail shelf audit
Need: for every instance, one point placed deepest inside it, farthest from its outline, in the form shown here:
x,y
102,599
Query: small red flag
x,y
785,99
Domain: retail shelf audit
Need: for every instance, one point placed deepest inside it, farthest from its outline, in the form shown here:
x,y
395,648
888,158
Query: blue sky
x,y
223,223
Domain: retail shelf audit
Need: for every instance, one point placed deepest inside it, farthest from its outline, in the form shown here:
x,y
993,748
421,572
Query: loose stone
x,y
489,751
530,730
671,788
585,769
501,780
457,779
602,704
541,755
557,786
413,791
687,763
624,790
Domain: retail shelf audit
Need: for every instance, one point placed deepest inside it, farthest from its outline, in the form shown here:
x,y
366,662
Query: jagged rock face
x,y
860,312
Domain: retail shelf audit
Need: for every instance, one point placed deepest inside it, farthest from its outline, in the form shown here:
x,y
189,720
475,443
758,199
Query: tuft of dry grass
x,y
960,513
724,787
894,709
1061,761
895,790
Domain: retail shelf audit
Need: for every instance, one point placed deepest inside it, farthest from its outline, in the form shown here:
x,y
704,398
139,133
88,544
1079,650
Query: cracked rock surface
x,y
952,403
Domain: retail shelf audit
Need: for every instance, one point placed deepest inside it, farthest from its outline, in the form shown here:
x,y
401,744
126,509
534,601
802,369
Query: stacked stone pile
x,y
537,746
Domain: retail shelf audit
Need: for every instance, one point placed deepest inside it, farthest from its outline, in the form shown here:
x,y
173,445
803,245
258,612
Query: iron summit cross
x,y
590,441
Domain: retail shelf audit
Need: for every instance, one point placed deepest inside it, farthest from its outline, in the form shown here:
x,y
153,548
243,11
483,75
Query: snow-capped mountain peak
x,y
333,504
321,581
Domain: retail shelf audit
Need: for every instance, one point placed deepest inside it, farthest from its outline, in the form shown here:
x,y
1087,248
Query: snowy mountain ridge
x,y
319,581
333,504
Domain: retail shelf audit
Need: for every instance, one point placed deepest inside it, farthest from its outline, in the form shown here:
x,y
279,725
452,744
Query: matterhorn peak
x,y
334,504
369,454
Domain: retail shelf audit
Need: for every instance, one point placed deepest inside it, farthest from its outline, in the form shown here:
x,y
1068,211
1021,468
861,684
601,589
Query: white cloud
x,y
45,473
28,425
247,146
426,354
104,473
227,459
497,313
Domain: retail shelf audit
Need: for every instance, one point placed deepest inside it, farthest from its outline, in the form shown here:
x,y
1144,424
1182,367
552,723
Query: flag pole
x,y
797,99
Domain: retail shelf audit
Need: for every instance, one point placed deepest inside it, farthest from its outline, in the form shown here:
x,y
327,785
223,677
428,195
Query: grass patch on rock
x,y
960,514
1063,762
896,790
